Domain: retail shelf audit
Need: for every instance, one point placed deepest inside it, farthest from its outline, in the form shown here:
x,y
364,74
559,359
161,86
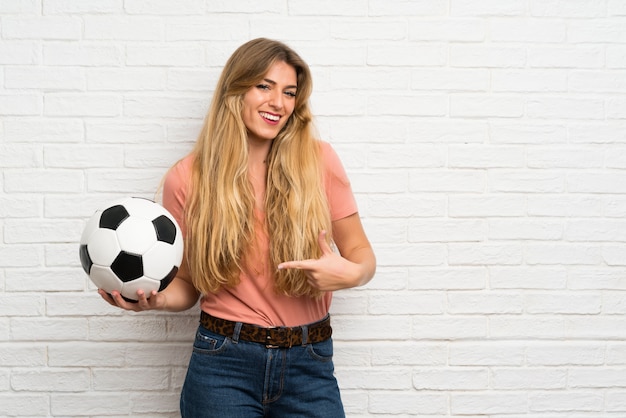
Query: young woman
x,y
261,203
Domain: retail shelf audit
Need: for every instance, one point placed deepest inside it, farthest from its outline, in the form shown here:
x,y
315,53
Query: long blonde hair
x,y
220,208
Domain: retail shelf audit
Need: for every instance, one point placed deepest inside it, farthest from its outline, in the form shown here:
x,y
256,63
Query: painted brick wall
x,y
486,142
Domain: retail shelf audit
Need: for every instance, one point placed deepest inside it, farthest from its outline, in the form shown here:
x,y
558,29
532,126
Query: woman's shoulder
x,y
329,157
180,173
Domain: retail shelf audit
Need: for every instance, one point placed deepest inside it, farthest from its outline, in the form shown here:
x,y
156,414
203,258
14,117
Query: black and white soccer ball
x,y
131,244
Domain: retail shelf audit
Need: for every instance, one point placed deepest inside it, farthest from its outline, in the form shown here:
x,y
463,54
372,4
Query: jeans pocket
x,y
322,351
207,342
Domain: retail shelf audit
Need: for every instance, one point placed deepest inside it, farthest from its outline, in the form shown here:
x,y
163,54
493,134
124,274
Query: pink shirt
x,y
254,299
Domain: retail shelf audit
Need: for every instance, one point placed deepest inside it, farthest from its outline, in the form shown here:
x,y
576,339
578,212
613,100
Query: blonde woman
x,y
261,203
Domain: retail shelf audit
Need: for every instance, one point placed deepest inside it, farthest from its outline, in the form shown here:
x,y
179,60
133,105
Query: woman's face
x,y
268,105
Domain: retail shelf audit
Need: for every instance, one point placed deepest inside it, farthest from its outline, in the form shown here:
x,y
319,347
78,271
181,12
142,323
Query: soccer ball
x,y
131,244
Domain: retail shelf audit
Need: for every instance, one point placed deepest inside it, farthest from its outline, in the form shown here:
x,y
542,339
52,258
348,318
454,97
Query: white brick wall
x,y
486,142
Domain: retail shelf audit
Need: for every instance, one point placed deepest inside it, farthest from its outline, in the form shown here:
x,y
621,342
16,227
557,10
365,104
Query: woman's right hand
x,y
180,295
156,300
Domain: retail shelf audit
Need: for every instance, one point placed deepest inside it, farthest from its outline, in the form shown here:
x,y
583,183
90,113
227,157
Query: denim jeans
x,y
231,378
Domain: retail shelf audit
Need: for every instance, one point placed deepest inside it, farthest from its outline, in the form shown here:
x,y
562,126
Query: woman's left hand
x,y
329,272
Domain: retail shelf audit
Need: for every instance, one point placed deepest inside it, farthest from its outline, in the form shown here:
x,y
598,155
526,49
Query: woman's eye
x,y
263,87
290,93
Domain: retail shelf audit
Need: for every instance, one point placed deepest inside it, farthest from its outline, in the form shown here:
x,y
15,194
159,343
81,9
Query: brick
x,y
491,403
152,378
38,329
349,29
20,104
128,79
527,277
529,80
224,28
131,132
596,30
448,29
350,8
183,55
584,303
294,29
25,7
472,105
447,181
90,403
61,104
21,305
70,181
246,7
53,130
164,7
15,156
16,404
126,181
441,131
23,355
528,132
45,280
408,8
19,207
488,8
490,56
448,328
129,28
454,379
560,353
484,303
408,303
450,79
541,230
411,55
20,256
486,206
446,230
64,7
576,56
47,28
376,379
459,278
485,156
537,31
57,380
44,78
408,403
410,353
19,53
615,56
349,327
82,54
559,8
569,401
165,107
126,329
527,181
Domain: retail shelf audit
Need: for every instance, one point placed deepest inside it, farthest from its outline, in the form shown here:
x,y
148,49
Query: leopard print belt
x,y
276,337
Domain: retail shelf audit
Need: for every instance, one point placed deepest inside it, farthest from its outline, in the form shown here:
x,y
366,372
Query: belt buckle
x,y
268,338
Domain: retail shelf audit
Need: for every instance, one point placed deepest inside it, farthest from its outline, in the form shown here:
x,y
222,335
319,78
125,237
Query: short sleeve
x,y
175,189
337,185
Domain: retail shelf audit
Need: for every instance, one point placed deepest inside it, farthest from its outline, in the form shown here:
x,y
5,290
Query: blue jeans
x,y
231,378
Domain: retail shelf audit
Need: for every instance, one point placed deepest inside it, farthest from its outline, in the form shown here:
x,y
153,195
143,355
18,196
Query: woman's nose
x,y
276,99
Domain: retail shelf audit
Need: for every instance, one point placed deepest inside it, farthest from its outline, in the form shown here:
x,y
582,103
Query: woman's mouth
x,y
271,118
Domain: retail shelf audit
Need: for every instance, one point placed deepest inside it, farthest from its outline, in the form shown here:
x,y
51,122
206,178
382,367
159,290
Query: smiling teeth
x,y
270,117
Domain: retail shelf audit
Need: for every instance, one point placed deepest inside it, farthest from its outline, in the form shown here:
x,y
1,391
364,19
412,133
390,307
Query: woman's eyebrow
x,y
273,83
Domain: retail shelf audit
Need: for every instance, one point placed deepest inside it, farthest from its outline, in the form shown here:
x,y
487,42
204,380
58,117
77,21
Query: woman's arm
x,y
180,295
355,264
